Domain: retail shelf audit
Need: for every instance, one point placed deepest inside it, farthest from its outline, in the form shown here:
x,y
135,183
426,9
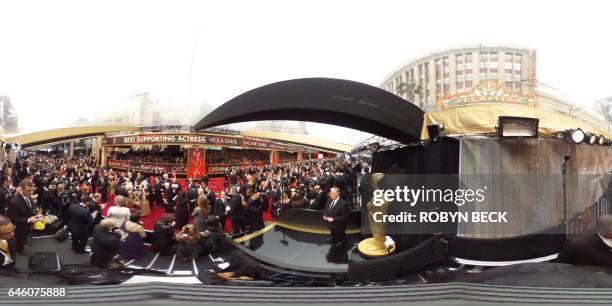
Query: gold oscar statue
x,y
375,246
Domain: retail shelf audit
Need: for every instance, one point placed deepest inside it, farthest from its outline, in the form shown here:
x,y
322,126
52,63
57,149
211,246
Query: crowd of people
x,y
74,191
236,156
149,156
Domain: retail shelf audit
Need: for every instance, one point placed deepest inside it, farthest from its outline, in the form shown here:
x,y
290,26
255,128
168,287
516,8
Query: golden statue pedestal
x,y
372,248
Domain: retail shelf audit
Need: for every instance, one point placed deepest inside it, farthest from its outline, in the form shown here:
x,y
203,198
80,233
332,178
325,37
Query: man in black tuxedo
x,y
190,184
336,213
79,221
320,198
592,249
5,193
220,208
26,170
236,212
158,192
104,188
20,211
210,195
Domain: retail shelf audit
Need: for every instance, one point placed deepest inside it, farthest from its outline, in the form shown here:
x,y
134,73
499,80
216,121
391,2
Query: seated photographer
x,y
320,198
106,244
163,235
297,200
590,250
209,237
7,232
187,243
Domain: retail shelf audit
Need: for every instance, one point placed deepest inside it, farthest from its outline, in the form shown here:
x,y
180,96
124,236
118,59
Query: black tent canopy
x,y
332,101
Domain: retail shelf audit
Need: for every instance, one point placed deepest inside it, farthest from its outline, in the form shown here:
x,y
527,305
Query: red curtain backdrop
x,y
196,166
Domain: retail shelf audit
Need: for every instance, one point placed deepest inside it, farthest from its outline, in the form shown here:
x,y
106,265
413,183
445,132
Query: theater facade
x,y
192,150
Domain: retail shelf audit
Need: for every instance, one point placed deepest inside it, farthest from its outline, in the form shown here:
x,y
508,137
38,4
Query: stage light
x,y
576,135
375,146
601,140
16,146
517,127
590,138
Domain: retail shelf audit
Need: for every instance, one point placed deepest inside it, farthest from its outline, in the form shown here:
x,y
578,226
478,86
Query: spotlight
x,y
375,146
16,146
517,127
576,135
601,140
590,138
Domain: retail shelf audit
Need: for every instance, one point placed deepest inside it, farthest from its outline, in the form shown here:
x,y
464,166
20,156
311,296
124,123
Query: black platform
x,y
301,251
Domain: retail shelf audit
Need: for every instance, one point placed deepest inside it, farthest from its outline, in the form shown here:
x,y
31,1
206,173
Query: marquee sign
x,y
223,168
180,169
147,167
486,92
200,139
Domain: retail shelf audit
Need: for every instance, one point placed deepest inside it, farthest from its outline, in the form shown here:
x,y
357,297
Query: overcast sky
x,y
63,60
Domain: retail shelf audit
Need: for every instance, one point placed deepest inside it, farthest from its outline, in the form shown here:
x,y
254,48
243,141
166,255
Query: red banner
x,y
197,164
275,158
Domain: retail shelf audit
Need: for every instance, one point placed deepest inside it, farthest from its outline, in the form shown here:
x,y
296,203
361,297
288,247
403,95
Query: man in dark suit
x,y
105,245
236,212
104,188
26,170
336,213
79,221
220,208
320,198
210,195
592,249
20,211
5,193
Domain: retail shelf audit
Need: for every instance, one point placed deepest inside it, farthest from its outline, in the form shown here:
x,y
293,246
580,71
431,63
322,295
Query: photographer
x,y
79,220
106,244
163,235
297,200
254,209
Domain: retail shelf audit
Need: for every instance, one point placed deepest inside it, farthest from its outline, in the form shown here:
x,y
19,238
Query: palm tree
x,y
410,88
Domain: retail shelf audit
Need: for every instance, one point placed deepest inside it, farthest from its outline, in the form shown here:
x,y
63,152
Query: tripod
x,y
566,158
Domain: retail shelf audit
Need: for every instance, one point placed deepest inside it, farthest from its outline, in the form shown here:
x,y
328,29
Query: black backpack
x,y
62,234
